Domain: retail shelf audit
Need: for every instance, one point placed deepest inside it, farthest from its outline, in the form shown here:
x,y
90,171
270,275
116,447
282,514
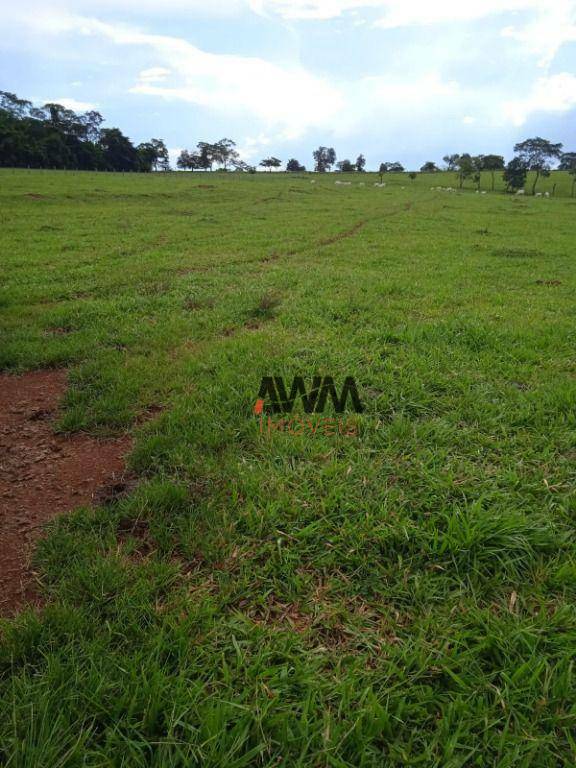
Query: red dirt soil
x,y
42,474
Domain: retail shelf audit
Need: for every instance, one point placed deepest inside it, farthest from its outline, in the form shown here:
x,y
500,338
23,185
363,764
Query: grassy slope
x,y
404,598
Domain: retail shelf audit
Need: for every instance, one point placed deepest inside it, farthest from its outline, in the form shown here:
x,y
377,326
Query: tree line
x,y
52,136
536,155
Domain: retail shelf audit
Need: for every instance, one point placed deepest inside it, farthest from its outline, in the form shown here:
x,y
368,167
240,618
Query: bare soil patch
x,y
43,474
342,235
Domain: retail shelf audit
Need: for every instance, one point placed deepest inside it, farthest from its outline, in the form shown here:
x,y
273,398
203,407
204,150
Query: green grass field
x,y
406,597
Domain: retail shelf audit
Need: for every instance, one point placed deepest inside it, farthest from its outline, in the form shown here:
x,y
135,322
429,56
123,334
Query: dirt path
x,y
42,474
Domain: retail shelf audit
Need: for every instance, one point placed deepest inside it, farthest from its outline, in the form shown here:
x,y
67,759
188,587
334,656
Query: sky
x,y
396,80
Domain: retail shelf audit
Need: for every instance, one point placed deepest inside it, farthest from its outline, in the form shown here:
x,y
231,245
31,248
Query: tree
x,y
345,166
153,156
360,163
195,161
187,160
271,162
324,158
451,161
429,167
491,163
67,122
537,154
118,151
16,107
224,152
293,166
221,152
391,168
162,162
92,121
568,163
466,166
515,174
241,166
52,136
206,155
183,160
146,156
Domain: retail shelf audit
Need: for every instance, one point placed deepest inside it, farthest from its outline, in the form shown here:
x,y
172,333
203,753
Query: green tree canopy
x,y
271,162
515,174
324,159
537,155
294,166
346,166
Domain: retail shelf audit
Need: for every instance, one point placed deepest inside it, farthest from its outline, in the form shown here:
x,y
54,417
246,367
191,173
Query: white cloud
x,y
154,75
543,26
402,93
153,8
549,25
252,146
386,100
545,34
556,93
312,9
398,13
288,97
284,101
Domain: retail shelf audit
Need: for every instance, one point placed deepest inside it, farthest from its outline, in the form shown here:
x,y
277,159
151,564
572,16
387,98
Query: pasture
x,y
401,597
